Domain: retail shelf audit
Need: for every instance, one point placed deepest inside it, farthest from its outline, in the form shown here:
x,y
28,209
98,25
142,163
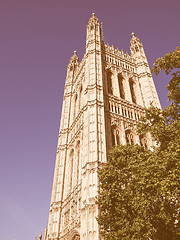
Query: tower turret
x,y
61,157
137,50
146,82
93,34
72,67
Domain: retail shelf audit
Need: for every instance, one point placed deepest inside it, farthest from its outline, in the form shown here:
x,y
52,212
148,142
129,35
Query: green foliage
x,y
168,63
164,125
139,191
139,194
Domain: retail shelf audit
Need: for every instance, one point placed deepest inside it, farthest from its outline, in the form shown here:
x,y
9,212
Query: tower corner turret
x,y
136,48
93,33
72,67
144,73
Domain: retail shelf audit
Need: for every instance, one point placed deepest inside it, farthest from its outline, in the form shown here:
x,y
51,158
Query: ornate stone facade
x,y
103,100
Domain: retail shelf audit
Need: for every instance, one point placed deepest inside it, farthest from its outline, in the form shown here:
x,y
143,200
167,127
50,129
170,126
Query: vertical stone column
x,y
94,130
60,165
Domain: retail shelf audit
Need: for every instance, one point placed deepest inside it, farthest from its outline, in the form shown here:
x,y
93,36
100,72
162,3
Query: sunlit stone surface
x,y
104,97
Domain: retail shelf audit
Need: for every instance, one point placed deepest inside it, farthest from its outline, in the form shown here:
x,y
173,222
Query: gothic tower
x,y
103,100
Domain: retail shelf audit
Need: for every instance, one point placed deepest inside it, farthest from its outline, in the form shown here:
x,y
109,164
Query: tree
x,y
139,191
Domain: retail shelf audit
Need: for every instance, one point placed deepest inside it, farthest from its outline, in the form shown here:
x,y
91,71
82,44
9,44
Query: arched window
x,y
121,86
136,49
74,235
132,89
110,81
91,27
77,237
143,141
115,109
115,136
71,68
129,137
125,114
112,108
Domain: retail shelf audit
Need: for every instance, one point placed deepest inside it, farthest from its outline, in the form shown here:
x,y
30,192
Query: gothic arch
x,y
130,136
115,135
74,235
110,80
143,141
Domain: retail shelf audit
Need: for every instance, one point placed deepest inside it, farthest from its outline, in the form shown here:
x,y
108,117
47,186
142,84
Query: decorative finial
x,y
93,14
102,31
75,52
132,34
40,236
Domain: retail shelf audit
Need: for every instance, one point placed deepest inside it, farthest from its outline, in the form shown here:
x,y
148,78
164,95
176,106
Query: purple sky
x,y
37,38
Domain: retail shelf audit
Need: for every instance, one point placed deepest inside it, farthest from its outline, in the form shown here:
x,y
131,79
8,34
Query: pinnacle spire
x,y
40,236
102,32
134,39
74,57
93,18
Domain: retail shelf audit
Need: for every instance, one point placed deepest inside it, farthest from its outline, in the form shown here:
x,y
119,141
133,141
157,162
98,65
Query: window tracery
x,y
115,136
129,137
66,218
143,141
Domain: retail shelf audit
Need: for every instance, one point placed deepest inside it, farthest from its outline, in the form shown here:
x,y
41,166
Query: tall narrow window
x,y
71,168
75,105
129,137
113,137
78,157
80,96
143,141
121,86
117,137
132,89
109,81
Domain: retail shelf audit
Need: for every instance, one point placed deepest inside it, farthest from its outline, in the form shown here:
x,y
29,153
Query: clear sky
x,y
37,38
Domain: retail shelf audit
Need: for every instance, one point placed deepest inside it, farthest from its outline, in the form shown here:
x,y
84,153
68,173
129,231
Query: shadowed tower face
x,y
103,100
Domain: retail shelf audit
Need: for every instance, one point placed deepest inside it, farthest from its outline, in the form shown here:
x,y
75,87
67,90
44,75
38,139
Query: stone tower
x,y
103,100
